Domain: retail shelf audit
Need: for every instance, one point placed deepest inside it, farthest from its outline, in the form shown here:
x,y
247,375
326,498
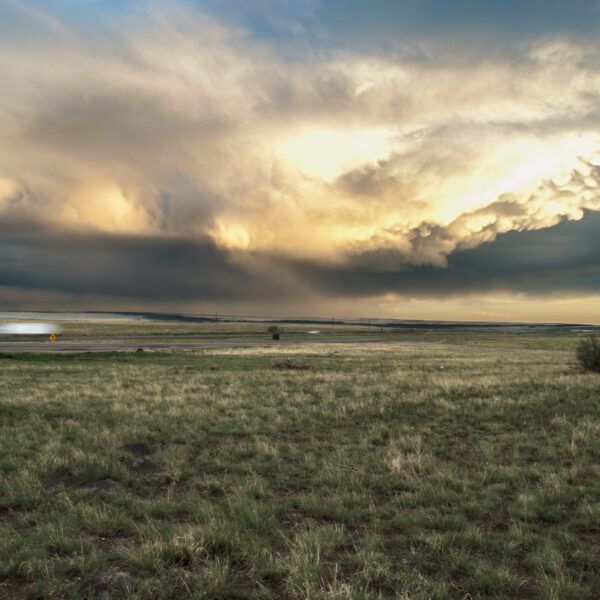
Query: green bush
x,y
274,331
588,354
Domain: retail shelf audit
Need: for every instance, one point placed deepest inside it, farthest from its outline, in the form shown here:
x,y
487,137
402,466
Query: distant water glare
x,y
29,328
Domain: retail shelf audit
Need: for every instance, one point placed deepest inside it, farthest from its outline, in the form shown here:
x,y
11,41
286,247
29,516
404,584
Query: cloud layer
x,y
233,143
170,272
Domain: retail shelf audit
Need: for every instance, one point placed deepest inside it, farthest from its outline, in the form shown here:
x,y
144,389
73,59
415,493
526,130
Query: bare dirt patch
x,y
288,363
64,477
12,588
138,449
108,584
102,485
141,466
68,479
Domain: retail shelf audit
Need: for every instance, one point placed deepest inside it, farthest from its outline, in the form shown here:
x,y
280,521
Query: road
x,y
151,344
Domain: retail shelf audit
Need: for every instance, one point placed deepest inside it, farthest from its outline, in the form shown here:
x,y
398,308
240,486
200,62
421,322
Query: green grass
x,y
378,474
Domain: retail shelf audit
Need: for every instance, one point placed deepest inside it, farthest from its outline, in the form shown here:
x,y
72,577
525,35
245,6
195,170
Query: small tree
x,y
274,331
588,354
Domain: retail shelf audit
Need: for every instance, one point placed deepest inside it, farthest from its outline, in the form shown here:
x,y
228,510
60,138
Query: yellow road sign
x,y
52,338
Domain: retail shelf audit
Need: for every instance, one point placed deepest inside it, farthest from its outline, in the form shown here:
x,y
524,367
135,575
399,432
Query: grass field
x,y
461,468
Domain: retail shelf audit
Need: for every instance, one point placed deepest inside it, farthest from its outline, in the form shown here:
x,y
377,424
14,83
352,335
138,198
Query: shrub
x,y
274,331
588,354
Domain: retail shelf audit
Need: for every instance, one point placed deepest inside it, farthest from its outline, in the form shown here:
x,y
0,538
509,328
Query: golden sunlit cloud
x,y
105,207
326,154
8,189
410,144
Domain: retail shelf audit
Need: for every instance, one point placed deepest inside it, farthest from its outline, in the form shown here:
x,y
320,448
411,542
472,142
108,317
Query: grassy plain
x,y
462,467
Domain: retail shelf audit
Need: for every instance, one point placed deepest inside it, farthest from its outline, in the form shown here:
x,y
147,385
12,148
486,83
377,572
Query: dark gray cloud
x,y
558,261
134,267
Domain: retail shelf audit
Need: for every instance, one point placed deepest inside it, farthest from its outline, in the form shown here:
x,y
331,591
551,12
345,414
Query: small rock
x,y
137,449
64,477
106,585
101,485
141,465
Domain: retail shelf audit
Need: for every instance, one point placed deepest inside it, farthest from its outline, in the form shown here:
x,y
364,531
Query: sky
x,y
418,159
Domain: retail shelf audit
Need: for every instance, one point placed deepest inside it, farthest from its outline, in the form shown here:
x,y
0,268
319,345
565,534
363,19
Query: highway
x,y
108,345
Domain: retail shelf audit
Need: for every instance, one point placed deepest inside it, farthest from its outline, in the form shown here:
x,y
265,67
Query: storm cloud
x,y
563,260
272,152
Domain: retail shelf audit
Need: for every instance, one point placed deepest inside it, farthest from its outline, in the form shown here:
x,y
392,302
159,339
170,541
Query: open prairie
x,y
463,465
